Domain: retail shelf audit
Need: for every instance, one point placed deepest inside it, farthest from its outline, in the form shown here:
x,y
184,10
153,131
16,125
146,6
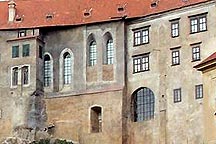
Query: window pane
x,y
26,50
109,52
177,95
47,71
143,104
15,51
199,91
15,76
175,29
92,54
25,75
67,68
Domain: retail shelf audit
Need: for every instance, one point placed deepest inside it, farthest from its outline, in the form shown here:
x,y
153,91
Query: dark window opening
x,y
25,75
15,76
41,52
177,95
26,48
15,51
21,33
96,119
199,91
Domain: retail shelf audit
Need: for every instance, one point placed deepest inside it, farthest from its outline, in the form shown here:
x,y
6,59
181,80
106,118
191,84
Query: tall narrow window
x,y
196,53
47,70
15,51
174,28
143,101
199,91
40,52
25,50
67,68
25,75
96,119
175,57
92,54
177,95
109,52
15,76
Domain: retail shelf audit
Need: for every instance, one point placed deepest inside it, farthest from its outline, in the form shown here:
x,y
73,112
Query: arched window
x,y
109,52
143,101
67,68
92,53
96,119
47,70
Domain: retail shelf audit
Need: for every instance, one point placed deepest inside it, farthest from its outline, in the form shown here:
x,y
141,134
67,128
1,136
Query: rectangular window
x,y
15,76
15,51
177,95
196,53
21,33
141,63
198,23
174,29
25,50
199,91
25,75
141,36
175,57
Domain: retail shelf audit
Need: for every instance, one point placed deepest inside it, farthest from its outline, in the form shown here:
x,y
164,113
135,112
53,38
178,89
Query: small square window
x,y
141,63
177,95
199,91
15,51
22,33
141,36
26,50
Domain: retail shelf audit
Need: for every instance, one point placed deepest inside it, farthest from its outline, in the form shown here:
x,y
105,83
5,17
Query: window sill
x,y
196,60
140,44
141,71
175,64
198,32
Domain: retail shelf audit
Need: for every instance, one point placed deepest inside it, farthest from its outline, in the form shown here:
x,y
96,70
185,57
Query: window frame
x,y
109,52
175,29
22,33
196,55
92,60
198,18
67,69
175,58
177,95
47,71
143,105
15,51
199,91
141,36
144,63
24,48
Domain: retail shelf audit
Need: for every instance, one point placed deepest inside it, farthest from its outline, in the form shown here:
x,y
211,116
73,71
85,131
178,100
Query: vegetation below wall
x,y
49,141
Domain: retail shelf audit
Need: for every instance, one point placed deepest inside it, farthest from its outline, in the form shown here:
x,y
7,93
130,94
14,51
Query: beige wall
x,y
184,120
71,117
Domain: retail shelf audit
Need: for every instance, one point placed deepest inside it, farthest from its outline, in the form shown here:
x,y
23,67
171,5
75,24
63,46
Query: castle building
x,y
100,72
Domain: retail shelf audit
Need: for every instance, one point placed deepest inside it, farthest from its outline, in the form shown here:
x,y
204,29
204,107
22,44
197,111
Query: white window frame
x,y
20,83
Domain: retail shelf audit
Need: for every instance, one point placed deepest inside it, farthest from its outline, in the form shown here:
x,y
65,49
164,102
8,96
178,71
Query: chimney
x,y
11,10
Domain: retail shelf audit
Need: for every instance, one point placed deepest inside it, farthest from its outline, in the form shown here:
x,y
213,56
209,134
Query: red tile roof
x,y
206,61
71,12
